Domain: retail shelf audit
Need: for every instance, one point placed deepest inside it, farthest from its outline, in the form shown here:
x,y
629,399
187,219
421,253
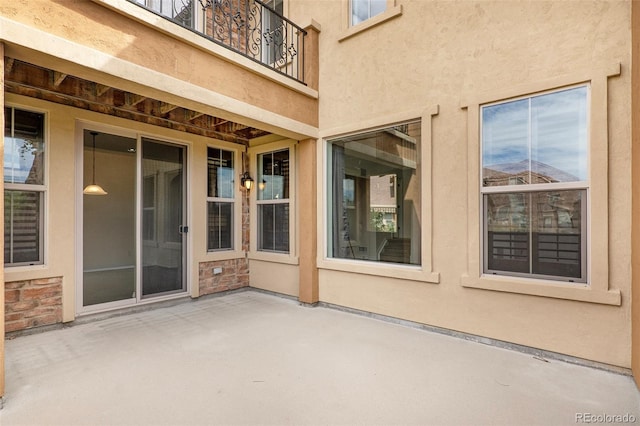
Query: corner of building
x,y
2,242
635,179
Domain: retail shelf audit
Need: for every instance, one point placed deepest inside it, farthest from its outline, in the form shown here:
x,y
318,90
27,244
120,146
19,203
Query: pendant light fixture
x,y
94,189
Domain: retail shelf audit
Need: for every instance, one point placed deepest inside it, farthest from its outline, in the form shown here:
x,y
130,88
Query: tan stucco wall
x,y
635,236
443,53
276,277
118,41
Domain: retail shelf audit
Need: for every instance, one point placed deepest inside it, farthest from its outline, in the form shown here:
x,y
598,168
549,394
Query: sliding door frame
x,y
80,310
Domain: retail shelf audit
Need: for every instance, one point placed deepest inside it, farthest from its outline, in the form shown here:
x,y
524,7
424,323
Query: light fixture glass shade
x,y
248,183
94,189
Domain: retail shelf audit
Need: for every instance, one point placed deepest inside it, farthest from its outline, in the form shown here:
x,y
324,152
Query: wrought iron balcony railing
x,y
253,28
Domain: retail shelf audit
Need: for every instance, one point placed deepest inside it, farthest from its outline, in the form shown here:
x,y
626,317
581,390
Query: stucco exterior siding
x,y
445,53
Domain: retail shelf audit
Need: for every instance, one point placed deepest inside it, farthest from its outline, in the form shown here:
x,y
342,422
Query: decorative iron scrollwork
x,y
248,27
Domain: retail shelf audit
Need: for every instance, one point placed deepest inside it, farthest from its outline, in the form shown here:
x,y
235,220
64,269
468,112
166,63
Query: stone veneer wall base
x,y
32,303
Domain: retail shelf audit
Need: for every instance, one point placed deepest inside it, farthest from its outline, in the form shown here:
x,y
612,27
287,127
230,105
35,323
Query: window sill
x,y
542,288
214,256
25,272
371,22
274,257
389,270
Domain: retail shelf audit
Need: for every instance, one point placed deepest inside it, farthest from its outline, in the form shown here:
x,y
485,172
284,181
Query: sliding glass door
x,y
133,234
109,220
163,230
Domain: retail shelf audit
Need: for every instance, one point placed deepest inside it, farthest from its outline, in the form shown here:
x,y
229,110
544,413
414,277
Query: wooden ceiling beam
x,y
58,78
101,89
192,115
131,99
166,107
8,65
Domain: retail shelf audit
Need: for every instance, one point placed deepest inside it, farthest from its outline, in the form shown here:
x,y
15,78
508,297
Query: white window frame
x,y
544,187
232,201
596,289
42,189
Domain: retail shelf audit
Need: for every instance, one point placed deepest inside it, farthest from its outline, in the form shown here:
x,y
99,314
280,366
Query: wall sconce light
x,y
94,189
246,181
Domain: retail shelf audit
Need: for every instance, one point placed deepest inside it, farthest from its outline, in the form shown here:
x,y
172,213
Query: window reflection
x,y
535,232
542,139
374,193
24,148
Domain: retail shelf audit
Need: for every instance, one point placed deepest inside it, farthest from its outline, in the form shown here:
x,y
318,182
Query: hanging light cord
x,y
93,179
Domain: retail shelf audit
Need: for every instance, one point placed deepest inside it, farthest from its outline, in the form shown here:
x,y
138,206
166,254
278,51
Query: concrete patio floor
x,y
253,358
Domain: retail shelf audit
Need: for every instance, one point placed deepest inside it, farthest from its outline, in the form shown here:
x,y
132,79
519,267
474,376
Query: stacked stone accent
x,y
235,274
32,303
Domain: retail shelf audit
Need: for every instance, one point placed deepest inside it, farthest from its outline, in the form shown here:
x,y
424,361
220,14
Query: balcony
x,y
255,29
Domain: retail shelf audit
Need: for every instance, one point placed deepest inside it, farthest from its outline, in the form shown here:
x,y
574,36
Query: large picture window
x,y
374,195
535,185
220,199
24,177
273,201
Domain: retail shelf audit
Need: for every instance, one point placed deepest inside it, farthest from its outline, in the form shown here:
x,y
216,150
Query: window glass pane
x,y
508,232
273,227
542,139
273,30
559,136
361,10
273,175
149,208
505,143
557,233
374,194
377,7
22,233
536,233
24,148
221,173
220,226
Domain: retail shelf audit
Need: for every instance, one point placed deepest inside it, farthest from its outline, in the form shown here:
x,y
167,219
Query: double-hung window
x,y
24,179
361,10
220,199
535,185
273,201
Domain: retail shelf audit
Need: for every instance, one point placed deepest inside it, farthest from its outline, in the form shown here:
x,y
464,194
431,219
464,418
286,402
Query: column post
x,y
308,221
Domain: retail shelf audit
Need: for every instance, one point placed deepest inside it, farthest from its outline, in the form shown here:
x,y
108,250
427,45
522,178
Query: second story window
x,y
274,44
220,199
361,10
181,11
24,178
